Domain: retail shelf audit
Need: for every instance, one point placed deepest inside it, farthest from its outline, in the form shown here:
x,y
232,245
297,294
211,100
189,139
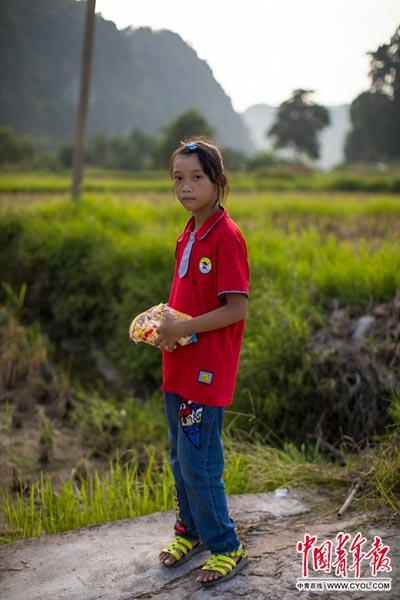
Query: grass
x,y
90,267
121,493
97,180
126,492
83,270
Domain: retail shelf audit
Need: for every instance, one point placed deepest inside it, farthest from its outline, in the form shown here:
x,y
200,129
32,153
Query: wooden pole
x,y
86,64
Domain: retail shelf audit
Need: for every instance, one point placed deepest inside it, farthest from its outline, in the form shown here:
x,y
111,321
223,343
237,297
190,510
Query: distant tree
x,y
66,154
261,161
385,68
142,148
234,160
135,152
375,114
371,137
15,149
189,123
298,122
100,151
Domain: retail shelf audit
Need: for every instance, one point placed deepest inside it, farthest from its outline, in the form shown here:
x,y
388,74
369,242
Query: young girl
x,y
210,283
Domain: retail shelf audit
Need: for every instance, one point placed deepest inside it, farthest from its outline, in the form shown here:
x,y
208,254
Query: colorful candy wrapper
x,y
145,326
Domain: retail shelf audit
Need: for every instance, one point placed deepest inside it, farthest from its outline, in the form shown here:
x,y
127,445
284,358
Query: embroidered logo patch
x,y
205,377
190,414
205,265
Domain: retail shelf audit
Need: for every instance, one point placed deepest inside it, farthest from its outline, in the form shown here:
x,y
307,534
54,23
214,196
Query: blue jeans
x,y
197,463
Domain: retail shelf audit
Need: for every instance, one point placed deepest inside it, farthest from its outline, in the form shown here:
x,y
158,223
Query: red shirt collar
x,y
207,225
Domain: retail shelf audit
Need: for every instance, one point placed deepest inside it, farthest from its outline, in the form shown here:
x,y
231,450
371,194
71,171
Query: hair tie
x,y
192,146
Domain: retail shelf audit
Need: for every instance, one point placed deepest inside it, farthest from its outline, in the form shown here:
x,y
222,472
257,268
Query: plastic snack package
x,y
145,326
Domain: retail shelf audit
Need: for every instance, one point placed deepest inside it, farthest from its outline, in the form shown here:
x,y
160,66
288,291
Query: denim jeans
x,y
197,463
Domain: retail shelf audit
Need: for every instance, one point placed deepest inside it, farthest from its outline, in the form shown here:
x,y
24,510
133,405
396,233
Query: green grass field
x,y
97,180
91,266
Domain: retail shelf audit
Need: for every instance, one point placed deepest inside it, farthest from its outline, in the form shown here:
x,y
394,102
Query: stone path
x,y
119,561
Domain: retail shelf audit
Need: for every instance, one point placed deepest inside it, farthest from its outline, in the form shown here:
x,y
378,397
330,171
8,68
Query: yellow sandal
x,y
225,564
181,549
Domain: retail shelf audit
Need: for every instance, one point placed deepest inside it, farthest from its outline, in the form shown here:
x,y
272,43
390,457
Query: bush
x,y
14,149
90,267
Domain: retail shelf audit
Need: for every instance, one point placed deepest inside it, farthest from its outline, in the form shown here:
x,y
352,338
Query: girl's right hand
x,y
170,348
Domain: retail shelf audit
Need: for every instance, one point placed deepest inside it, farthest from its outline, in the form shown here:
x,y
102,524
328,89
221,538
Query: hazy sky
x,y
260,50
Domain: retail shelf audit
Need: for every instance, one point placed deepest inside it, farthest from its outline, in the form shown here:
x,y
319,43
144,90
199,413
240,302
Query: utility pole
x,y
86,64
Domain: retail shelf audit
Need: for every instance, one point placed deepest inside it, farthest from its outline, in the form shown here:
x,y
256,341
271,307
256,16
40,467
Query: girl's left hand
x,y
169,333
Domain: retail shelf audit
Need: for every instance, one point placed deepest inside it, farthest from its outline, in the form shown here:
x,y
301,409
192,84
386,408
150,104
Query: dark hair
x,y
210,159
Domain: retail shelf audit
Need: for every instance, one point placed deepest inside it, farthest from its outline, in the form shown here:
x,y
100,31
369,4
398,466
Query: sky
x,y
261,50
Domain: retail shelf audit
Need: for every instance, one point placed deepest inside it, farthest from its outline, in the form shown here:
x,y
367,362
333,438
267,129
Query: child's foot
x,y
169,559
211,575
221,567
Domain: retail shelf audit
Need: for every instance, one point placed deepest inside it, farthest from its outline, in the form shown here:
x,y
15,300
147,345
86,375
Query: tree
x,y
100,151
135,152
187,124
13,149
371,138
262,161
375,114
385,68
298,123
142,149
234,160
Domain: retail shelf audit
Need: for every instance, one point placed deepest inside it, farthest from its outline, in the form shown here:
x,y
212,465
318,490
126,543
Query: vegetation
x,y
375,114
75,275
139,151
86,279
190,123
298,123
13,149
266,174
127,491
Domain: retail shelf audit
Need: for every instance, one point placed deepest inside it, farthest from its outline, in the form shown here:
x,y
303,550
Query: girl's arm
x,y
234,310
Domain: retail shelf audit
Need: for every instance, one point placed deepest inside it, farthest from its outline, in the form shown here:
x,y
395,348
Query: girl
x,y
210,283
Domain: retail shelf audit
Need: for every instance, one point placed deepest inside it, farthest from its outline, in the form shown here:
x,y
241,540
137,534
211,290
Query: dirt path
x,y
119,561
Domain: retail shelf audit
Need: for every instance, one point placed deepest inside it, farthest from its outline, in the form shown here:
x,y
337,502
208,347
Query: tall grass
x,y
90,267
126,492
120,493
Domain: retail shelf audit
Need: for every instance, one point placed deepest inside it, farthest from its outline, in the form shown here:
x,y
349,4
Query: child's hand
x,y
169,332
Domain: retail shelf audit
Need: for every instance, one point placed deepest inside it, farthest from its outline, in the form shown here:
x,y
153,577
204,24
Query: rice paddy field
x,y
314,404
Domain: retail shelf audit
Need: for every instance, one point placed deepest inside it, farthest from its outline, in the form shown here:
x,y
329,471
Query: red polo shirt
x,y
205,371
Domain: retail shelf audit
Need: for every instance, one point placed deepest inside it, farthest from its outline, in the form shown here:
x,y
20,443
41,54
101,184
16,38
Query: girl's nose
x,y
187,186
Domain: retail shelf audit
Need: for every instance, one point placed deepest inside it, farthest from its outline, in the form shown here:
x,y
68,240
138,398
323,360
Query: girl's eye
x,y
198,176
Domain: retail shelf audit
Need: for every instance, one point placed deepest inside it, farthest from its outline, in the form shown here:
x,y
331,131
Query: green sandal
x,y
181,549
224,564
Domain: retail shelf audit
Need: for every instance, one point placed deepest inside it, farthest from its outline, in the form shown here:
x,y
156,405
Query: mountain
x,y
260,118
141,78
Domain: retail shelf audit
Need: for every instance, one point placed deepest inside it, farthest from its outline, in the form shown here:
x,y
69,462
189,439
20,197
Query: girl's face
x,y
192,186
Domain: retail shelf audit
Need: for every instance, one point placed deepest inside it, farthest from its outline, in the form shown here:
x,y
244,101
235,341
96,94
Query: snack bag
x,y
144,327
